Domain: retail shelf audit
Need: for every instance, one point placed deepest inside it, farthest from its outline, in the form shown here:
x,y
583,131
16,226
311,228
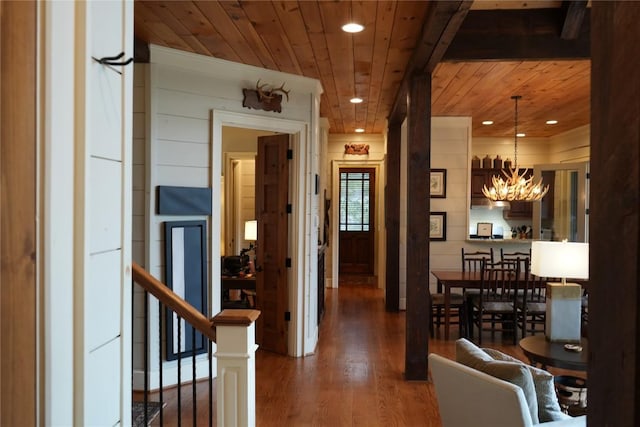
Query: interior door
x,y
356,216
272,181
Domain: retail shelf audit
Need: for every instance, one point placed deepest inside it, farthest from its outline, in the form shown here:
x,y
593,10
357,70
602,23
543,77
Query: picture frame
x,y
485,230
438,226
438,184
185,245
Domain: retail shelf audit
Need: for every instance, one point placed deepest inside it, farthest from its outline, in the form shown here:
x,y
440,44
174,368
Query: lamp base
x,y
564,307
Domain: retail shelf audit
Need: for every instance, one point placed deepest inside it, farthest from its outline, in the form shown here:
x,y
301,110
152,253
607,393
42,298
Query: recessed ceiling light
x,y
521,135
552,122
487,122
359,130
352,27
356,100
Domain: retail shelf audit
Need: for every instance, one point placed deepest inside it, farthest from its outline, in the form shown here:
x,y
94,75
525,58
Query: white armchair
x,y
468,397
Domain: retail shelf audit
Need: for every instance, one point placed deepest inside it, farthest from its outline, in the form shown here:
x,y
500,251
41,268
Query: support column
x,y
236,375
392,218
418,205
614,255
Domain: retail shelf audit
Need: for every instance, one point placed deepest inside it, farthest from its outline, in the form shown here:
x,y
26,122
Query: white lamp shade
x,y
560,259
251,230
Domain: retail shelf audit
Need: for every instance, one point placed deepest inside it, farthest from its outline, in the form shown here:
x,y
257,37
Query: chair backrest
x,y
472,261
468,397
500,280
523,257
536,287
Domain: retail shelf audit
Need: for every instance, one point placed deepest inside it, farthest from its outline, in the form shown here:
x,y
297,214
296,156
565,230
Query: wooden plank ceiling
x,y
305,38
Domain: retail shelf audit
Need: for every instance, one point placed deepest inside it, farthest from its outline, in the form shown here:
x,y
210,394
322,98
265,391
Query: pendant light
x,y
514,186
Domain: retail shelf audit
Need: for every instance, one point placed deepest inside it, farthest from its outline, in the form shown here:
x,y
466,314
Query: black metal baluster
x,y
179,371
193,373
160,311
145,347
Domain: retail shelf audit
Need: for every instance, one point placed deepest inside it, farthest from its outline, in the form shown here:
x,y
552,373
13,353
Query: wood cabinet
x,y
481,177
519,210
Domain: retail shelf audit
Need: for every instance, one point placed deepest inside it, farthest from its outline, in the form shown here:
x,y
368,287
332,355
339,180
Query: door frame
x,y
379,235
300,273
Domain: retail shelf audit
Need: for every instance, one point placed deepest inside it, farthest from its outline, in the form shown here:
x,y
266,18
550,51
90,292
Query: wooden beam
x,y
517,34
141,52
614,277
441,24
392,218
418,204
575,11
440,28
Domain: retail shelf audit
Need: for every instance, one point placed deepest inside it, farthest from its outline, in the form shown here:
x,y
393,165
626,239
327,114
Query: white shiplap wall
x,y
182,93
102,255
450,147
531,151
572,146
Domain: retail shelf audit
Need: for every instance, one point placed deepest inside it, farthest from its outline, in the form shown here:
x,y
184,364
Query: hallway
x,y
354,379
356,376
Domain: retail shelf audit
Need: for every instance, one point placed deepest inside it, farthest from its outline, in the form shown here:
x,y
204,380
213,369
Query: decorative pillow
x,y
467,353
548,406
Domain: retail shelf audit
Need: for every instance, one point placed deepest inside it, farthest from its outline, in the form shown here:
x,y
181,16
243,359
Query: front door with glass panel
x,y
356,216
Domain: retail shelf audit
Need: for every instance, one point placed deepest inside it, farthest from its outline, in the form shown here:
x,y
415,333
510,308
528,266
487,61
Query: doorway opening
x,y
254,241
356,231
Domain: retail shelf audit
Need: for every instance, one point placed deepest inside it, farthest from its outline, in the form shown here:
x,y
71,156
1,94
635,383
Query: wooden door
x,y
272,182
356,218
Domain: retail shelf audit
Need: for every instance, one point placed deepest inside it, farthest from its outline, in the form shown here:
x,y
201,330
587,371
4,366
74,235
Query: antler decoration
x,y
264,97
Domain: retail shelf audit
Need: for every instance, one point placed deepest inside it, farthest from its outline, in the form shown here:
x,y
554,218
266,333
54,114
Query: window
x,y
354,201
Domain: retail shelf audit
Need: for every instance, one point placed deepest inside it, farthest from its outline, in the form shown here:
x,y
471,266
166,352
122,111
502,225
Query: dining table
x,y
448,279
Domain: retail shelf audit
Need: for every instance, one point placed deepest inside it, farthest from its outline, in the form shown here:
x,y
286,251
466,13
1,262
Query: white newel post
x,y
236,381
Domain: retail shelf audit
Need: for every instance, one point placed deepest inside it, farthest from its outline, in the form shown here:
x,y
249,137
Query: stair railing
x,y
234,333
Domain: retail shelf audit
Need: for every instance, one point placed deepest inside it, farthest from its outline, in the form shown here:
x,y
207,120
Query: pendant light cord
x,y
515,146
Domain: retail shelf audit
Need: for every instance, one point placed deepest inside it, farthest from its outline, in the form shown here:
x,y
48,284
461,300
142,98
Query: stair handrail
x,y
173,301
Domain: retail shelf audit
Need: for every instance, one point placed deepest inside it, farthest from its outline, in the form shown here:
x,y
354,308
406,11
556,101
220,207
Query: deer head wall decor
x,y
264,97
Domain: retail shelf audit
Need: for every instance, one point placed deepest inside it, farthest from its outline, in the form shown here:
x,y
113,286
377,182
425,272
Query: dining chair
x,y
472,261
523,257
531,306
457,313
493,308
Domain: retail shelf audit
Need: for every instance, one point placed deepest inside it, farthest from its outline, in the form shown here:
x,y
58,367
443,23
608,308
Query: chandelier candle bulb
x,y
515,186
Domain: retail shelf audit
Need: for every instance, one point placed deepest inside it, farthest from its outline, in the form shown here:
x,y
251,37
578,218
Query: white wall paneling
x,y
102,116
189,99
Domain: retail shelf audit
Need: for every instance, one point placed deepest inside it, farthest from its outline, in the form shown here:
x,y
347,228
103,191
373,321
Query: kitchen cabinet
x,y
481,177
519,210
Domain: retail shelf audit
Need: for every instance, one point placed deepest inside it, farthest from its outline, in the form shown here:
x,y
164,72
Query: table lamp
x,y
563,300
251,235
251,232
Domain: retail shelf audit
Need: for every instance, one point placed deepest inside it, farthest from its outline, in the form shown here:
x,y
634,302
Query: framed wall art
x,y
438,226
438,183
186,275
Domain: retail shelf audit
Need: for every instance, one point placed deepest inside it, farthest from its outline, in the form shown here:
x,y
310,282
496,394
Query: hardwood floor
x,y
355,378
